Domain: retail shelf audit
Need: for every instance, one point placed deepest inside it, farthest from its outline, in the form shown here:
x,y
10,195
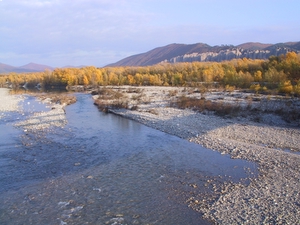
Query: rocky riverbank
x,y
54,117
9,102
273,143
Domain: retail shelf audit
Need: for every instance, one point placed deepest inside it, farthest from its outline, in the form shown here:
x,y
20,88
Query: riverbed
x,y
98,168
262,136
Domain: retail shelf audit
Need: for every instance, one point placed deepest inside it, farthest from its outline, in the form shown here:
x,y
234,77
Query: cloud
x,y
69,23
50,28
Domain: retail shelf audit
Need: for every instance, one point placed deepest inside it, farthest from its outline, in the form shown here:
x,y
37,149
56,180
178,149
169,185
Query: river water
x,y
104,169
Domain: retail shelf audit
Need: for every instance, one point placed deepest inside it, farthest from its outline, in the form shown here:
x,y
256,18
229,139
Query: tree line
x,y
281,73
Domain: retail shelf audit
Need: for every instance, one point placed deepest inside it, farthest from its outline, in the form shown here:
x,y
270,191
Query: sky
x,y
98,32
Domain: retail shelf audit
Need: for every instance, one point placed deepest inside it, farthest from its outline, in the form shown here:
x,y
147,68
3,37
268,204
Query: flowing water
x,y
104,169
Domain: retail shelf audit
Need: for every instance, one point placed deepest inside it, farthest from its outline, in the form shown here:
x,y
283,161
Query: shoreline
x,y
54,117
9,103
271,198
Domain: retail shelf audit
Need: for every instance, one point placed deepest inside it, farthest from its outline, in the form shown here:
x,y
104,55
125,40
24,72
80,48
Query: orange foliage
x,y
273,73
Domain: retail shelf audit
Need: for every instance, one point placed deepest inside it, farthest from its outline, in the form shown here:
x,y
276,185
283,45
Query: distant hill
x,y
6,68
253,46
31,67
35,67
174,53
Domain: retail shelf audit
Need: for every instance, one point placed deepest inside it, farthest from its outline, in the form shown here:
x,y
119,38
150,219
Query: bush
x,y
255,87
297,88
134,107
286,87
229,88
220,108
105,106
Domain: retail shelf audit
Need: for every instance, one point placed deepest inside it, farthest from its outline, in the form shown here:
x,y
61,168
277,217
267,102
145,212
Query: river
x,y
104,169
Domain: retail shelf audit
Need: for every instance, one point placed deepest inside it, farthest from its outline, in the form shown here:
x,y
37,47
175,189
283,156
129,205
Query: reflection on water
x,y
104,169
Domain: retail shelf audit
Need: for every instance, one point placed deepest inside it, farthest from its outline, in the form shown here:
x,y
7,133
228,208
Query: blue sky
x,y
99,32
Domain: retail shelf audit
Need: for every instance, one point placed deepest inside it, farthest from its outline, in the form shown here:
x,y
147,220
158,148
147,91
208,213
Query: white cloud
x,y
28,26
89,29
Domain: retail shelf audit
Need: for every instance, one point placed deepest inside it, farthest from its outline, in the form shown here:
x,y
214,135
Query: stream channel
x,y
104,169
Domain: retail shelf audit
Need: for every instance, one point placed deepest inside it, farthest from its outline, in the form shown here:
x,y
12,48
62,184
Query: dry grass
x,y
229,104
137,97
173,93
110,99
105,106
221,108
107,93
59,98
152,111
135,90
200,105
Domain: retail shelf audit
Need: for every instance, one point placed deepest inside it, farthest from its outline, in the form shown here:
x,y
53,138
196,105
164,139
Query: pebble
x,y
44,120
9,103
270,198
267,199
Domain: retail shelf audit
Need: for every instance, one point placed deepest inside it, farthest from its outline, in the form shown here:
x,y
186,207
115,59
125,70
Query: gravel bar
x,y
43,120
272,197
8,103
38,121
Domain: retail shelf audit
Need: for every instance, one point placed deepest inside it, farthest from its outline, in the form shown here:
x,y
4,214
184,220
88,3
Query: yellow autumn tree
x,y
85,80
113,79
130,79
258,76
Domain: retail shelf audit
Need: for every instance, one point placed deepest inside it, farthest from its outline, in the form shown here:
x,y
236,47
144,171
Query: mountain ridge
x,y
174,53
35,67
28,68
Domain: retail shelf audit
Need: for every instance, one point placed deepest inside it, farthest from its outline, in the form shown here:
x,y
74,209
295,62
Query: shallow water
x,y
105,169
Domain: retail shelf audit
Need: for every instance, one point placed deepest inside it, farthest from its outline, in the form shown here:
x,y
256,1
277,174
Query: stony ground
x,y
55,117
273,143
8,102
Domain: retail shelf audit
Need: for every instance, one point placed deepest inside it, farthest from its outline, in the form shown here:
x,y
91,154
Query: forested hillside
x,y
280,73
200,52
